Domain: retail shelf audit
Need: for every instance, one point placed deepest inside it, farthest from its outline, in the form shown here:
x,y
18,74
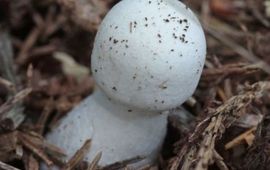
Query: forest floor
x,y
230,108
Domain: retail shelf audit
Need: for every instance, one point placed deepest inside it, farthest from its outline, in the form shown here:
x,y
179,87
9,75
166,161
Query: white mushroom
x,y
147,58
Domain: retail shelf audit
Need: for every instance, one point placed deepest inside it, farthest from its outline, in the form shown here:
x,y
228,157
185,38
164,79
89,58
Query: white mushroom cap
x,y
149,54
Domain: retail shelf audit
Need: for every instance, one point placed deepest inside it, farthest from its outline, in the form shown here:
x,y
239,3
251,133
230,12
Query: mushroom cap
x,y
149,54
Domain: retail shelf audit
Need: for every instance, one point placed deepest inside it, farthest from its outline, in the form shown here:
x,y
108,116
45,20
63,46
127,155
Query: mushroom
x,y
147,59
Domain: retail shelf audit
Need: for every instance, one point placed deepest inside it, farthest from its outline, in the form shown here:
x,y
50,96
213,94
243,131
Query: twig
x,y
78,156
8,146
122,164
239,139
230,69
13,101
39,142
29,145
237,47
31,162
199,150
257,156
30,40
94,164
4,166
6,57
9,85
253,5
45,115
219,161
15,114
43,50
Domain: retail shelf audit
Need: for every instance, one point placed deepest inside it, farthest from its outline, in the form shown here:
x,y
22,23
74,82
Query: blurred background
x,y
45,49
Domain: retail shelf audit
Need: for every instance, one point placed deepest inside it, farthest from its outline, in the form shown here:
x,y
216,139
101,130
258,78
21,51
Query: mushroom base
x,y
115,130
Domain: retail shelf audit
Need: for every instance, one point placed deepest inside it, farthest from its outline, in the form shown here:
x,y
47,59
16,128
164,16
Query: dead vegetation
x,y
229,125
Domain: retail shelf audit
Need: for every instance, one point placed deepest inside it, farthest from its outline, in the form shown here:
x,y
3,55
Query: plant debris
x,y
45,49
78,156
199,150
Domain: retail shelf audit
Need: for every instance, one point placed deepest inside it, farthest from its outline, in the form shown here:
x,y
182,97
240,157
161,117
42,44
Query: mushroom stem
x,y
116,131
148,55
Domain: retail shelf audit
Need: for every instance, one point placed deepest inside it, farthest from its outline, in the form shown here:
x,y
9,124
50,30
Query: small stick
x,y
94,164
122,164
78,156
30,40
238,49
45,115
239,138
15,114
27,45
13,101
6,166
42,51
9,85
34,149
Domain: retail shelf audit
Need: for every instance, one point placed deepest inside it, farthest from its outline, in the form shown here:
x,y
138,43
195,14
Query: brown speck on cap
x,y
130,27
166,20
